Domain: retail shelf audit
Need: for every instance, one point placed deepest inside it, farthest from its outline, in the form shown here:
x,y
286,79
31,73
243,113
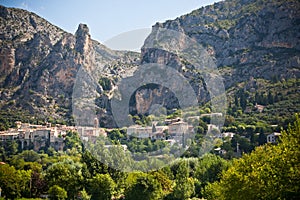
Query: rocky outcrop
x,y
246,38
39,63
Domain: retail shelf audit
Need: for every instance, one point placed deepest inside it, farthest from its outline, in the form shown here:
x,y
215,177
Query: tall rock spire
x,y
82,38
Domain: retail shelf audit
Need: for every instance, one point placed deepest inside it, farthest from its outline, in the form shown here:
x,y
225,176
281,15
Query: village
x,y
32,136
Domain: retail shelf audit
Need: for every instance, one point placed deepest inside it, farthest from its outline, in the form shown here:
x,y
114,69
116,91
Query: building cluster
x,y
37,136
175,130
32,136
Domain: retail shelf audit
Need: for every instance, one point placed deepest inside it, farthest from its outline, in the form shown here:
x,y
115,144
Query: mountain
x,y
254,44
258,38
39,63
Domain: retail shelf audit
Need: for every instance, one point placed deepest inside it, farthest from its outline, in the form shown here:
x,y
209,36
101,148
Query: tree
x,y
243,101
270,98
116,135
2,153
102,187
12,148
262,139
84,195
73,140
57,193
184,187
37,182
269,172
243,144
209,169
67,175
145,186
164,181
13,182
28,156
105,83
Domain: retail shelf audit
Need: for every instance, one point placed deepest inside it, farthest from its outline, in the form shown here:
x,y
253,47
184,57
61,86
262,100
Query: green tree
x,y
243,144
29,156
164,181
73,140
84,195
184,185
116,135
14,183
38,184
243,101
102,187
209,169
270,98
67,175
262,139
105,83
269,172
145,186
57,193
11,148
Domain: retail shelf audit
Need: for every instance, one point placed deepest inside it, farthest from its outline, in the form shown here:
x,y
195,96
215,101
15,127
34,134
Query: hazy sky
x,y
107,18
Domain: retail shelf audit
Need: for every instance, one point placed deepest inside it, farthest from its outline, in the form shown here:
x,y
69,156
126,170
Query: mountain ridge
x,y
39,61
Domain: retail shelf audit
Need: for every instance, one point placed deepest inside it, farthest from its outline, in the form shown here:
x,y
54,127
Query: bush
x,y
57,193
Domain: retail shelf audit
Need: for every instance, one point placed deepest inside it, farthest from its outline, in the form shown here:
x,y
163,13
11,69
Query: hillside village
x,y
32,136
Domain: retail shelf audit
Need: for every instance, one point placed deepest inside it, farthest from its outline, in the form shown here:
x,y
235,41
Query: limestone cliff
x,y
246,38
39,63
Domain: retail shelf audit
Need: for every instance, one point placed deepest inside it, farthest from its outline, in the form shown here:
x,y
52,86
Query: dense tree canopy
x,y
81,171
270,172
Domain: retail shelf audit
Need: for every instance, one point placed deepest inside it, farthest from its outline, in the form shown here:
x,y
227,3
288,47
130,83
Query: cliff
x,y
39,62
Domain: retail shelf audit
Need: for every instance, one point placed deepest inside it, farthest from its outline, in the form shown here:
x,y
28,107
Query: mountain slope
x,y
39,63
251,41
246,37
255,45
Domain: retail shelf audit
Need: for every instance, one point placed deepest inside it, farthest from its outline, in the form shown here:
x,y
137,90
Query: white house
x,y
273,138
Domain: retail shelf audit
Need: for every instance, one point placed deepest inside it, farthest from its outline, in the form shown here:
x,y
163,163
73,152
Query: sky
x,y
108,19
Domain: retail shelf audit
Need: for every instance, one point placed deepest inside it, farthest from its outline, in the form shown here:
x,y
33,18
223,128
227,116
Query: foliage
x,y
269,172
73,140
102,187
84,195
145,186
8,149
209,169
67,175
184,185
105,83
14,183
57,193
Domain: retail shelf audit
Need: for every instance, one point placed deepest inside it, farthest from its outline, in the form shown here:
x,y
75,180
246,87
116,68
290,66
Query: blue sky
x,y
107,18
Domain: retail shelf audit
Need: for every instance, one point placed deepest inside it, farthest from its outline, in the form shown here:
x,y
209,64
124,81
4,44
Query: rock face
x,y
246,38
39,63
